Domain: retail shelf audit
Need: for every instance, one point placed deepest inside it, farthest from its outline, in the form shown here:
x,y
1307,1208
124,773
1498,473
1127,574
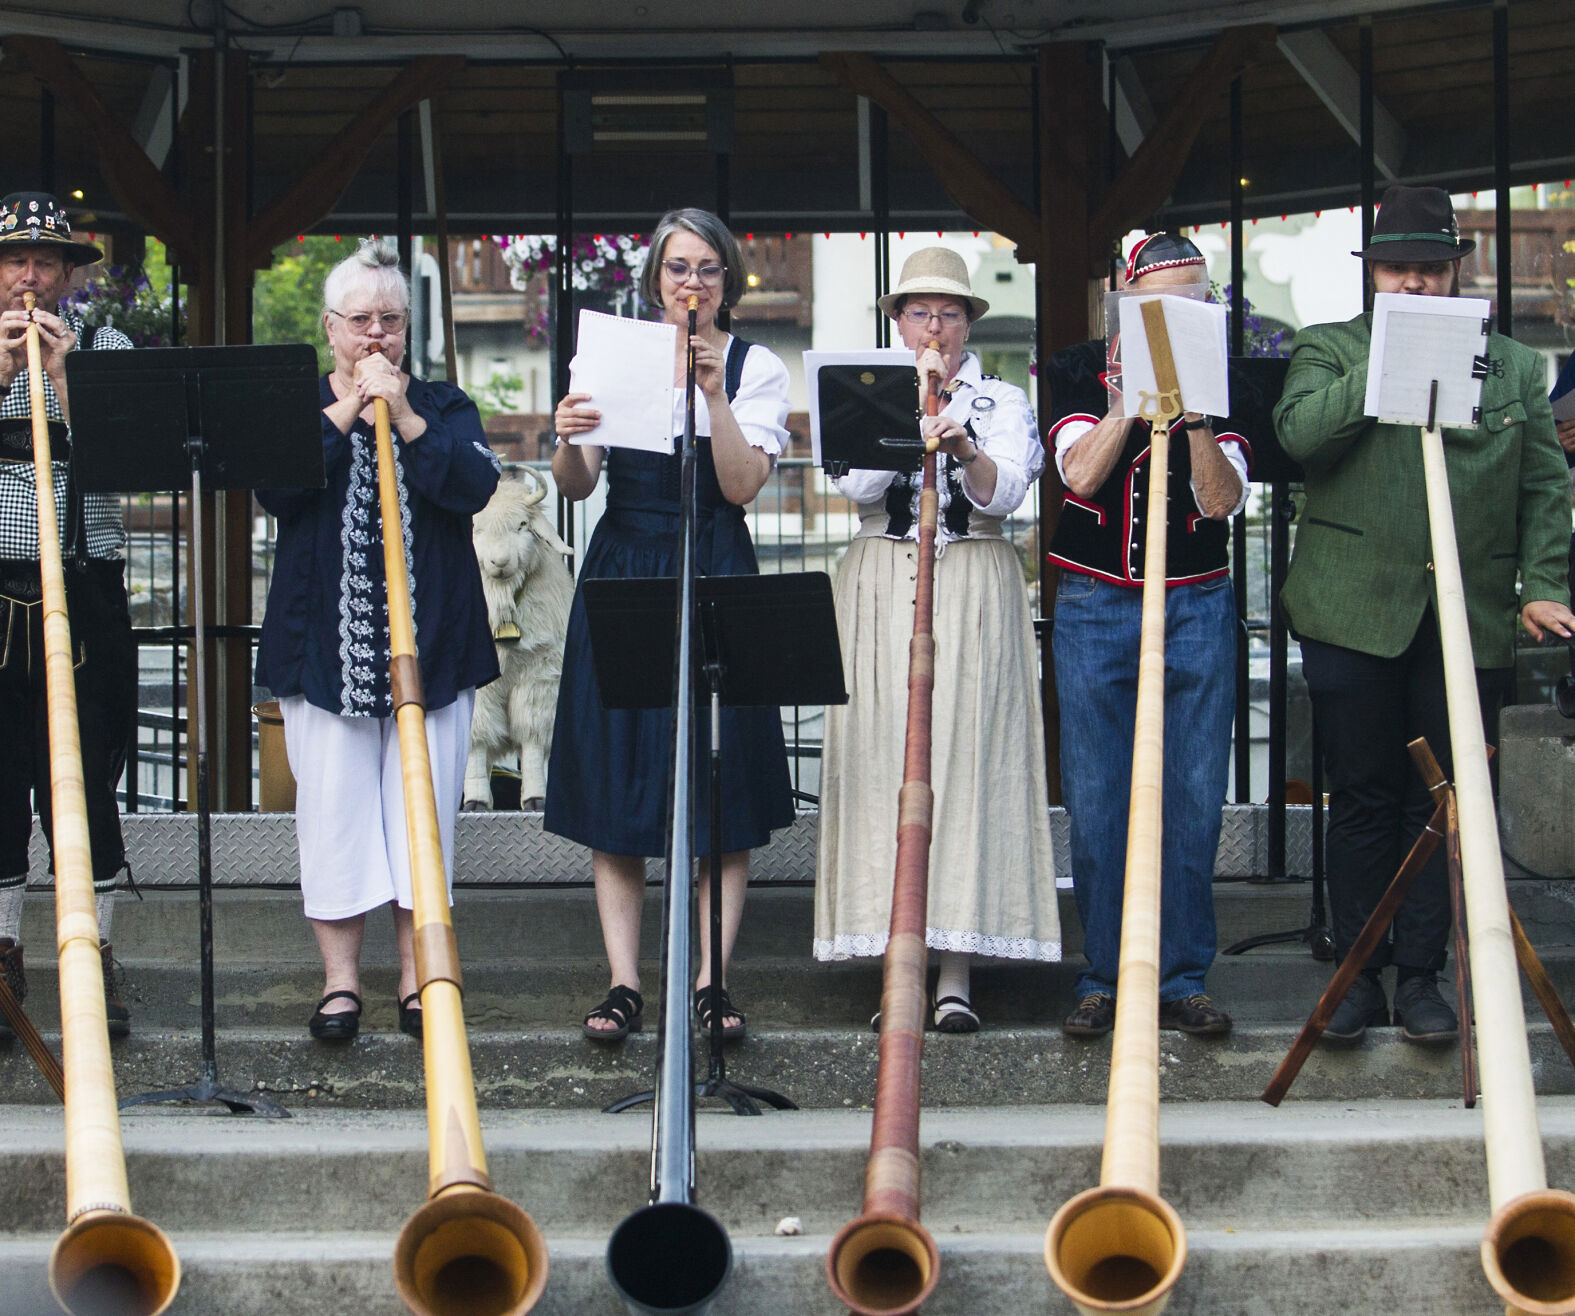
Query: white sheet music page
x,y
626,366
1417,340
870,356
1197,345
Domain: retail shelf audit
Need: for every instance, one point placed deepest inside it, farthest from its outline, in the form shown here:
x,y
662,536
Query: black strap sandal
x,y
703,1005
341,1027
625,1007
410,1016
954,1014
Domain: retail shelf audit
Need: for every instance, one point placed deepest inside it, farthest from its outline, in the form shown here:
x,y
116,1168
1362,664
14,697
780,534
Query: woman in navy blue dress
x,y
608,775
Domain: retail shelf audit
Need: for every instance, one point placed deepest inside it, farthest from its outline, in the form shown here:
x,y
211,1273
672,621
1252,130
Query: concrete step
x,y
1226,1166
1432,1269
816,1067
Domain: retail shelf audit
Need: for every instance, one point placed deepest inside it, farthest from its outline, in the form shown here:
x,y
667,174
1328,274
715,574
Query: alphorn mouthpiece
x,y
694,301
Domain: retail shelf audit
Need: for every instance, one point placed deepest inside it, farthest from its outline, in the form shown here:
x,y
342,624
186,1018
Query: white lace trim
x,y
356,606
859,945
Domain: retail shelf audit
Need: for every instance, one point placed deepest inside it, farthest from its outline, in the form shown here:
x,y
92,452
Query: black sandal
x,y
625,1007
410,1016
341,1027
703,1003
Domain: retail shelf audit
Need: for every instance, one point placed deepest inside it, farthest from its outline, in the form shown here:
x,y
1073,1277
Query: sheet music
x,y
1197,345
626,365
873,356
1417,340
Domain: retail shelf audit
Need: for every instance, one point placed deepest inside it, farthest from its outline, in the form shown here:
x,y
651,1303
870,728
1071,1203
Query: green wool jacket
x,y
1362,573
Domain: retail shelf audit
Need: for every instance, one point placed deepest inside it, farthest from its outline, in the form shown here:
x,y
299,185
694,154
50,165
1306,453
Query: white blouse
x,y
760,407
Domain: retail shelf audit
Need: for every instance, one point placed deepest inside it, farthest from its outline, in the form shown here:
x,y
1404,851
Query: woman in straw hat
x,y
992,877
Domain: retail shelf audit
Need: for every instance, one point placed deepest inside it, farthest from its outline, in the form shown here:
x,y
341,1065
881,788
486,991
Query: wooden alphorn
x,y
1528,1251
466,1251
1120,1246
107,1260
884,1262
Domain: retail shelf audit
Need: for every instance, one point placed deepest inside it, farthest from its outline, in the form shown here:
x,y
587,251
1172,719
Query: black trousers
x,y
1367,710
106,684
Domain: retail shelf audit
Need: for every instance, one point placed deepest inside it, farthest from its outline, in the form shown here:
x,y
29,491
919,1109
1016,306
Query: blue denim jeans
x,y
1096,664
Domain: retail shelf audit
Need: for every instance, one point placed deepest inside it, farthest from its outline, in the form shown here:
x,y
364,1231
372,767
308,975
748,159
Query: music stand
x,y
867,419
205,418
766,641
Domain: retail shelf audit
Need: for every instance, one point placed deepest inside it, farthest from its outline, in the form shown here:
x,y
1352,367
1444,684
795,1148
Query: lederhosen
x,y
106,682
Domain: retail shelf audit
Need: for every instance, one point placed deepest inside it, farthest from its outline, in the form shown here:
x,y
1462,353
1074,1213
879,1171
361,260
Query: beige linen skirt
x,y
992,876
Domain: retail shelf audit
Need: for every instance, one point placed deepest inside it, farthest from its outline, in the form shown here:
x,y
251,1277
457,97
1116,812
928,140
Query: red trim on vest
x,y
1087,506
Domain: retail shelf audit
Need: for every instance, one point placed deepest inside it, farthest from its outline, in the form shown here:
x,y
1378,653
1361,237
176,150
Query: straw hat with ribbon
x,y
935,272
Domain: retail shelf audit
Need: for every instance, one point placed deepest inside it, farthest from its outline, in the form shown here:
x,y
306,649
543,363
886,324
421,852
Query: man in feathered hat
x,y
1102,455
1359,596
38,255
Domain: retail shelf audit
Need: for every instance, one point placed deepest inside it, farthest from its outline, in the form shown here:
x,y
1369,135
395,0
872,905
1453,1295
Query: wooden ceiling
x,y
795,161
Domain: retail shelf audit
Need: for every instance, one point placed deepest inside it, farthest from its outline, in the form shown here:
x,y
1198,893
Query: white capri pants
x,y
350,802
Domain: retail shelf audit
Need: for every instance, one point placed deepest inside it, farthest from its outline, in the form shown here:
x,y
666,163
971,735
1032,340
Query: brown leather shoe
x,y
1094,1017
1195,1014
15,979
114,984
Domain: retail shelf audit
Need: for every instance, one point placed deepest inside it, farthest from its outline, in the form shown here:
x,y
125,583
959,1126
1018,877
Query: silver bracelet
x,y
969,461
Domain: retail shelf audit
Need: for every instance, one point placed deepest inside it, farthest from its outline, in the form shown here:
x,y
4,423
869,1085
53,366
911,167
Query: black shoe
x,y
115,1012
410,1015
1364,1005
1195,1014
1422,1014
15,979
1094,1017
341,1027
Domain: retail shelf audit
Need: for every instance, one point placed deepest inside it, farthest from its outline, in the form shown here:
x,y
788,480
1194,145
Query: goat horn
x,y
541,486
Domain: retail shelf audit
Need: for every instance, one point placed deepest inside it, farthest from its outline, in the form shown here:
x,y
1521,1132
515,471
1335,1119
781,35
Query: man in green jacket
x,y
1359,596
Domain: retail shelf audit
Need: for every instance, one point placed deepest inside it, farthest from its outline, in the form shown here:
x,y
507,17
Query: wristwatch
x,y
1202,423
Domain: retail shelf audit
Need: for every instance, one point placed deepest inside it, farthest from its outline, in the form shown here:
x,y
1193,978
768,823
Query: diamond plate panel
x,y
511,849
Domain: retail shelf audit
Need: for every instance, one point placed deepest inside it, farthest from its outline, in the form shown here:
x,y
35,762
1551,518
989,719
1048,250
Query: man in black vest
x,y
1102,455
38,255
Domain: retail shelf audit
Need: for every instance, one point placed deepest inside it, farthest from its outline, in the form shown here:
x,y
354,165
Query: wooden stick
x,y
1457,905
1547,994
23,1027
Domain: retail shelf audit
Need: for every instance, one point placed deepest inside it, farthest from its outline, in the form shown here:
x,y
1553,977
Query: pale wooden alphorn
x,y
107,1260
1121,1246
1528,1251
884,1262
466,1251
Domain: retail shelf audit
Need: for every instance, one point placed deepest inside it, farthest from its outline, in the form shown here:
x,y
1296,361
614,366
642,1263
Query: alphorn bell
x,y
1528,1251
466,1251
108,1261
884,1262
670,1255
1121,1246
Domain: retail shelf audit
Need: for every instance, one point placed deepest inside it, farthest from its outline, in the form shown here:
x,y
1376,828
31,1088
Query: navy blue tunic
x,y
608,775
325,632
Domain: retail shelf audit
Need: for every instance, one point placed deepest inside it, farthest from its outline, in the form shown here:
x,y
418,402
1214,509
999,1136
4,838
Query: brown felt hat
x,y
35,219
936,272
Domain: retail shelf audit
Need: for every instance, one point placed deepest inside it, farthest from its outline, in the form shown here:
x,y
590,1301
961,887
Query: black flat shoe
x,y
1363,1006
341,1027
410,1015
955,1014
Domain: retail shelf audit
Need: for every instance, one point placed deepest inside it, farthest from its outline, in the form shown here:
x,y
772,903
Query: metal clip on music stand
x,y
205,418
766,641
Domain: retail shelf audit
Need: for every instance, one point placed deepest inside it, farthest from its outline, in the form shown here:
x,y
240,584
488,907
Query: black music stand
x,y
868,420
765,641
205,418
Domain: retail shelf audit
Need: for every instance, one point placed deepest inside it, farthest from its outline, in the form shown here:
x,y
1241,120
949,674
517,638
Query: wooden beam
x,y
1331,77
137,186
321,184
969,183
1152,172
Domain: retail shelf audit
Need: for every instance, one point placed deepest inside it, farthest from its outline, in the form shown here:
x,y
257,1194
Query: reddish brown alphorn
x,y
884,1262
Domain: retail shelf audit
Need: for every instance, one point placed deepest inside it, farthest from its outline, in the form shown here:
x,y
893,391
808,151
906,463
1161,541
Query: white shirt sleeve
x,y
864,486
1068,432
760,406
1003,425
1074,427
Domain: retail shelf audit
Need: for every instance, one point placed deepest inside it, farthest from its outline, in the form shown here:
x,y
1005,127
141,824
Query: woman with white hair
x,y
324,649
608,776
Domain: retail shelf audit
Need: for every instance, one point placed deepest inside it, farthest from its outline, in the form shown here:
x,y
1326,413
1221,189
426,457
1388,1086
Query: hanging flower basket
x,y
121,297
600,262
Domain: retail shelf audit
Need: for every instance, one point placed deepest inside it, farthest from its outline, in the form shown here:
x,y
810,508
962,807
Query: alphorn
x,y
670,1255
883,1262
1528,1250
1120,1246
466,1251
107,1260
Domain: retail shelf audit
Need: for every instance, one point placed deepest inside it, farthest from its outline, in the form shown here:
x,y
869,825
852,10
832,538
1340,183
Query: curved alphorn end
x,y
473,1251
883,1265
113,1261
1115,1248
1528,1253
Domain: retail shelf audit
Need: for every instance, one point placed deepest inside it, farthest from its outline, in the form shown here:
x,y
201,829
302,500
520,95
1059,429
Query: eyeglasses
x,y
680,270
918,315
392,322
